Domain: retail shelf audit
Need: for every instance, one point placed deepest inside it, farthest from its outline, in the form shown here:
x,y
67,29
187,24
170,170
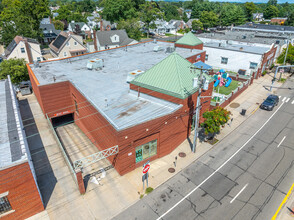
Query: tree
x,y
16,68
290,20
272,2
214,119
209,19
149,13
63,13
132,27
170,11
232,14
22,17
115,10
59,25
250,8
197,25
271,11
290,56
185,17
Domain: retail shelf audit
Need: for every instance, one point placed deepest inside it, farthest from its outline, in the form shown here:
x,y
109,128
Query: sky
x,y
255,1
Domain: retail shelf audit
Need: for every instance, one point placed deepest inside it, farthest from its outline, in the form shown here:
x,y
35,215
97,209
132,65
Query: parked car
x,y
270,102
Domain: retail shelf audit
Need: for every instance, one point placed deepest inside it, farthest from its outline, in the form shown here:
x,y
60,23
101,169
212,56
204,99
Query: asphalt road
x,y
245,176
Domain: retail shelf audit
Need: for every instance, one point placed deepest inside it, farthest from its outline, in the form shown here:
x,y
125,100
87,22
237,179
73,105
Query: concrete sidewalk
x,y
118,193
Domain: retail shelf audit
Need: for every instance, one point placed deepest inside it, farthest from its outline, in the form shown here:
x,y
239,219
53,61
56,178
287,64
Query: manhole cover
x,y
234,105
171,170
182,154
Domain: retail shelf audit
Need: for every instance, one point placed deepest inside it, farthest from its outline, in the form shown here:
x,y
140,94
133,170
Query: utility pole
x,y
196,118
285,58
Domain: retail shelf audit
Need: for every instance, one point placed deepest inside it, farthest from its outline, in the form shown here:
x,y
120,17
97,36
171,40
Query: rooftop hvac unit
x,y
95,64
132,75
157,48
170,49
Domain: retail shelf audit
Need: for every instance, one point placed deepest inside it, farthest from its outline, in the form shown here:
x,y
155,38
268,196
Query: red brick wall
x,y
198,47
23,194
269,56
197,57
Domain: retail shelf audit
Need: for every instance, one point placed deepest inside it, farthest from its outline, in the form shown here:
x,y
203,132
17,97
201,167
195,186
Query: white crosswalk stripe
x,y
287,100
284,99
279,97
292,102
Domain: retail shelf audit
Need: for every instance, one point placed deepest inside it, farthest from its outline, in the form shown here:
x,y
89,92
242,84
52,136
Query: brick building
x,y
19,193
112,109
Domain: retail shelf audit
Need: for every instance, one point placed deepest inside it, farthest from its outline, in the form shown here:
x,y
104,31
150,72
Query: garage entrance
x,y
62,120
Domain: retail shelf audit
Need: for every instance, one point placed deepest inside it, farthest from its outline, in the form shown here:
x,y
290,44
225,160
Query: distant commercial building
x,y
234,56
23,47
265,28
20,197
139,97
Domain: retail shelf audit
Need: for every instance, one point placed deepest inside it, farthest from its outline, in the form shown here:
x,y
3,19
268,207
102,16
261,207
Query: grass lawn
x,y
169,35
227,90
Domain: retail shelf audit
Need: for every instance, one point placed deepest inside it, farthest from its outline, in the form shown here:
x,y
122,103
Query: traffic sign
x,y
146,168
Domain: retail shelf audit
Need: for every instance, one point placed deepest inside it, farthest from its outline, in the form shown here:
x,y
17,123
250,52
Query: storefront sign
x,y
61,113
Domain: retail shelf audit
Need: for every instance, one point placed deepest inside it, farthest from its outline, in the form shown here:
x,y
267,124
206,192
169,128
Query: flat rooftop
x,y
12,146
219,44
266,28
248,37
107,88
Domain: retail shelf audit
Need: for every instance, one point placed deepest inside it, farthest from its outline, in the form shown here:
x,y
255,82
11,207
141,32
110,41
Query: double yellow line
x,y
283,202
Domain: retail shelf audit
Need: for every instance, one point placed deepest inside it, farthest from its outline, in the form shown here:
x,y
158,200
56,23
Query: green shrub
x,y
148,190
282,80
263,73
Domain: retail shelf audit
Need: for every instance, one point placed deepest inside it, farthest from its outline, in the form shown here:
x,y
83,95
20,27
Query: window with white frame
x,y
224,60
206,57
4,204
253,65
22,50
39,58
65,54
67,43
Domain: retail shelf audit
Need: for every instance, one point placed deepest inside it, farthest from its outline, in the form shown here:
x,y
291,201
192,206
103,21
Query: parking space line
x,y
287,100
281,142
239,193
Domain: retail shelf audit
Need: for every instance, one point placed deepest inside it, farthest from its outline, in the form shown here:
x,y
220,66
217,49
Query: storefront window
x,y
146,150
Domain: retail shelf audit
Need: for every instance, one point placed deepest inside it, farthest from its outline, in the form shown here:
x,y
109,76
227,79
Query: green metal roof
x,y
171,76
189,39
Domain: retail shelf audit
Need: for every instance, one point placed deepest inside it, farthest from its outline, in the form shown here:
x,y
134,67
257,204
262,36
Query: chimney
x,y
95,41
28,50
101,25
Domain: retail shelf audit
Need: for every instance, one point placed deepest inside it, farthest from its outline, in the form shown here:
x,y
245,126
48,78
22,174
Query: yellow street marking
x,y
283,202
255,110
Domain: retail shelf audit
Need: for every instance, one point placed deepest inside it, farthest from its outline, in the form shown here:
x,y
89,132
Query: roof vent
x,y
244,37
36,63
132,75
155,41
170,49
241,48
157,48
95,64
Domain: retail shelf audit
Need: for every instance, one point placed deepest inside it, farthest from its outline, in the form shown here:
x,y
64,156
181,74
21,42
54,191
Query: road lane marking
x,y
239,193
281,142
283,202
284,99
279,97
292,102
197,187
287,100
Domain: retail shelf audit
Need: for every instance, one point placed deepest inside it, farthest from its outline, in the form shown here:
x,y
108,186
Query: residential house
x,y
80,28
163,27
20,196
107,25
23,47
257,16
178,24
93,22
112,39
279,21
49,32
189,23
46,21
67,45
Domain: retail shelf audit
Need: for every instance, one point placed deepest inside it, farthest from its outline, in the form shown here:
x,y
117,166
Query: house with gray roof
x,y
49,32
113,39
81,25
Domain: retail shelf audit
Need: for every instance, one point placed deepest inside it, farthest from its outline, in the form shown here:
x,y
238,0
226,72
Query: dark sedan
x,y
270,102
